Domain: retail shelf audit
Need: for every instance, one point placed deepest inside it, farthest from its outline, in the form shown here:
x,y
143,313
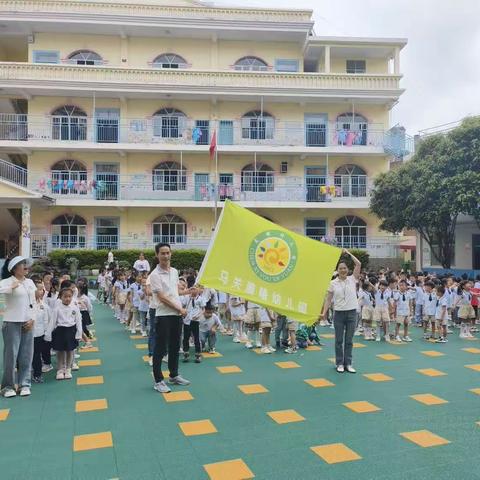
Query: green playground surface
x,y
301,422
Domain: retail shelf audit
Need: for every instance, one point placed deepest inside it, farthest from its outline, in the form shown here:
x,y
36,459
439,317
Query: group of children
x,y
62,313
390,303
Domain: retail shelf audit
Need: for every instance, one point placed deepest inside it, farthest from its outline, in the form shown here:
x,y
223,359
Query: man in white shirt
x,y
141,264
168,318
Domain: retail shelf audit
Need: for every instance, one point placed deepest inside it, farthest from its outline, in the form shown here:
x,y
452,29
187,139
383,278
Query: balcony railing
x,y
206,81
176,187
173,130
13,173
41,244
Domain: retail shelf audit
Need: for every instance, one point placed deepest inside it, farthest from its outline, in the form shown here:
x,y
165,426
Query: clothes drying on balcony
x,y
78,185
349,137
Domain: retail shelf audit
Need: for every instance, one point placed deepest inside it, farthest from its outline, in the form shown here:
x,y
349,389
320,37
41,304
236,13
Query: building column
x,y
396,61
327,58
25,241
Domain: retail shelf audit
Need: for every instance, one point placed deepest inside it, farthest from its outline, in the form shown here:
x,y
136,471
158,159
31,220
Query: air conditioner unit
x,y
284,167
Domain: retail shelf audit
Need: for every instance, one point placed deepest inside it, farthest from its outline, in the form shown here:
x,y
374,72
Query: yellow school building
x,y
108,111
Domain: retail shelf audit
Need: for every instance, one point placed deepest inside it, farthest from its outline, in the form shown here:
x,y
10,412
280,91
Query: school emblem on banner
x,y
253,258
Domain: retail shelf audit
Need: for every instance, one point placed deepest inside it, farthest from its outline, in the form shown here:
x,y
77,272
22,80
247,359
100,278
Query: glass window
x,y
285,65
258,125
69,123
69,177
169,229
85,57
251,64
351,232
356,66
169,177
170,60
259,178
46,56
316,228
69,232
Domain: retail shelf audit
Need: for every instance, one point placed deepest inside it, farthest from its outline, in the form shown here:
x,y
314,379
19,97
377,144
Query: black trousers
x,y
46,353
192,329
168,330
38,349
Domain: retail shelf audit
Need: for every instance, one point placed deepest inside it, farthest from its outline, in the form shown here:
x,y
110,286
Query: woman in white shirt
x,y
343,293
17,328
141,265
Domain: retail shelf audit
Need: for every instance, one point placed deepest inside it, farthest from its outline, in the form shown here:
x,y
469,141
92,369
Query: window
x,y
69,177
351,181
46,56
169,123
225,189
257,125
351,129
351,232
107,233
69,231
316,228
356,66
257,178
169,177
201,132
85,57
284,65
251,64
170,60
69,123
169,229
315,178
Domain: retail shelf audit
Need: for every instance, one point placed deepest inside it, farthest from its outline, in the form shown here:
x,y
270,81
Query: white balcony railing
x,y
184,131
153,186
13,173
41,244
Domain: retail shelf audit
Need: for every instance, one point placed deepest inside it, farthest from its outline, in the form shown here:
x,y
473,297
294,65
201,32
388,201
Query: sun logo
x,y
273,255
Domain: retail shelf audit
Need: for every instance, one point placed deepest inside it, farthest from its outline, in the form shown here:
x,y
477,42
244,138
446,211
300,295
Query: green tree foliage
x,y
429,193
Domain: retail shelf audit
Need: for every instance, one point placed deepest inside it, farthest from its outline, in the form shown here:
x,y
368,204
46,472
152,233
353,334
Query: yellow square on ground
x,y
313,348
475,390
211,355
471,350
97,380
229,369
472,339
252,389
89,350
199,427
378,377
319,382
327,335
431,372
146,358
389,356
335,453
258,351
358,345
475,367
4,414
362,407
91,405
92,441
136,337
229,470
424,438
182,396
89,363
428,399
287,364
285,416
141,346
433,353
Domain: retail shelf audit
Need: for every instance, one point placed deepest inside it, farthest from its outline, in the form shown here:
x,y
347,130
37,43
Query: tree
x,y
428,193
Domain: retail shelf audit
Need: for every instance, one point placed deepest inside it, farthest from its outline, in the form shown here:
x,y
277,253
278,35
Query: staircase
x,y
13,173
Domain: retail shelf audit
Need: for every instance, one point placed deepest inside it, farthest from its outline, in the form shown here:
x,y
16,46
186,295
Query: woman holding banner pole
x,y
343,293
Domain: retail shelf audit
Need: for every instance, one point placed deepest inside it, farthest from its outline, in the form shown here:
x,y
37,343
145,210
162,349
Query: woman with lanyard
x,y
17,328
343,293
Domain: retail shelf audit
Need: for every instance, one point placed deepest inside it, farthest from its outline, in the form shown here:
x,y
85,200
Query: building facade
x,y
107,112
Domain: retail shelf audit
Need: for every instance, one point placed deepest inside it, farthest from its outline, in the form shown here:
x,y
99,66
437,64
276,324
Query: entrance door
x,y
107,121
106,178
225,189
316,129
476,252
315,177
107,233
202,186
225,133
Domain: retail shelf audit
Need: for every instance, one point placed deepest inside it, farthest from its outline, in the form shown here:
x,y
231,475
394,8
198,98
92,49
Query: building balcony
x,y
165,133
42,244
19,78
250,189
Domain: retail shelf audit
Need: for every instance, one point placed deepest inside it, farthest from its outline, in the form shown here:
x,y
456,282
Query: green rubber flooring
x,y
140,436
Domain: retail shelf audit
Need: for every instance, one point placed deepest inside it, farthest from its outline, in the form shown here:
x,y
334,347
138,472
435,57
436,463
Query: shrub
x,y
95,259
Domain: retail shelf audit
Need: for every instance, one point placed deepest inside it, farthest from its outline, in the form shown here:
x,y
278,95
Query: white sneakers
x,y
249,345
398,339
162,387
150,361
68,374
265,350
47,368
60,375
144,334
75,366
25,391
340,368
9,393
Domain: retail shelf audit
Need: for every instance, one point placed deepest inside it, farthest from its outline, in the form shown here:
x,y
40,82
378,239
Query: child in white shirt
x,y
403,311
381,314
193,304
209,324
367,302
121,291
429,308
441,313
64,331
42,320
135,289
237,310
143,306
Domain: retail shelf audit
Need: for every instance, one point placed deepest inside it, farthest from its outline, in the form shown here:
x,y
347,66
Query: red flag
x,y
213,144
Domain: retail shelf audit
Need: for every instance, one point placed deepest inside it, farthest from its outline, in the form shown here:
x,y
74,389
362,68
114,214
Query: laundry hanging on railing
x,y
80,186
330,190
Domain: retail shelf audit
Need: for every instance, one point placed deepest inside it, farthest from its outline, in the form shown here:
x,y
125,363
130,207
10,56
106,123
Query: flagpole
x,y
216,185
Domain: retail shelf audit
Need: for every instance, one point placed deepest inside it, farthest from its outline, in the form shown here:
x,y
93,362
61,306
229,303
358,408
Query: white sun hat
x,y
16,260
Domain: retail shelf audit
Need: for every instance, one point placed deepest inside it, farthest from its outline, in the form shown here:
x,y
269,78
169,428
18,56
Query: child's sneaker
x,y
212,350
75,366
377,339
144,334
291,350
9,393
441,340
265,350
68,374
271,348
406,339
249,345
398,339
387,338
198,358
60,375
37,379
186,357
150,361
47,368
